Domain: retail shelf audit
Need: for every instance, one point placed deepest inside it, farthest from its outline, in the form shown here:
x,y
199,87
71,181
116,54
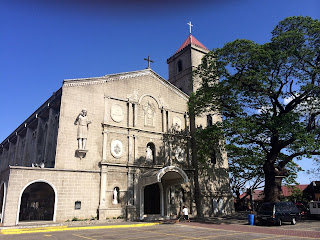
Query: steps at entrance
x,y
154,217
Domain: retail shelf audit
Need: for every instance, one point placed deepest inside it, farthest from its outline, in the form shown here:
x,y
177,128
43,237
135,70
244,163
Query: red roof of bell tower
x,y
191,40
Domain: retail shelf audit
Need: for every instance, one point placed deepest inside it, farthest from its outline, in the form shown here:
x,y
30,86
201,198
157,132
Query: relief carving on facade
x,y
179,154
176,122
133,97
116,113
116,148
149,112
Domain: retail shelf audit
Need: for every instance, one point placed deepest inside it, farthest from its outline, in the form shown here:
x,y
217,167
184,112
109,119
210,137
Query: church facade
x,y
116,146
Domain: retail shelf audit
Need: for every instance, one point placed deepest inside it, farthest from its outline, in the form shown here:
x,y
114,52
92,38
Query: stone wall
x,y
70,186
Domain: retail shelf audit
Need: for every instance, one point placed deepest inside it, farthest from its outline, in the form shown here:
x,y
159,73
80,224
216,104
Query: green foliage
x,y
207,140
268,96
297,195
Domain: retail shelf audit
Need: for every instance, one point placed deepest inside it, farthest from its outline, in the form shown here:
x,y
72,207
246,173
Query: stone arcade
x,y
112,146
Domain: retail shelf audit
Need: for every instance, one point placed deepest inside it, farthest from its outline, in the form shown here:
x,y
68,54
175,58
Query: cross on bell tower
x,y
190,25
149,60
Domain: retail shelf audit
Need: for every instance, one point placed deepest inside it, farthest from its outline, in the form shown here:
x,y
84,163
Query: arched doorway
x,y
152,199
37,203
2,200
154,188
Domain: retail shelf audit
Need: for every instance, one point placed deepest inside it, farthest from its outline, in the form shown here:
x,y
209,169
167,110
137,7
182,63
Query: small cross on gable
x,y
149,60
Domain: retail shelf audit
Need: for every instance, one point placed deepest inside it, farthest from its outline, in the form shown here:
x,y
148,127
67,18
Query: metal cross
x,y
149,60
190,25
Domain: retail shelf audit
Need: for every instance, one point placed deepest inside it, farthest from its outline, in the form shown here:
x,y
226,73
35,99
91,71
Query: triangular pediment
x,y
124,76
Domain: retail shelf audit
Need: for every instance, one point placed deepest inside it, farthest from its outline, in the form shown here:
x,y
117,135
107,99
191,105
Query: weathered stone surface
x,y
137,142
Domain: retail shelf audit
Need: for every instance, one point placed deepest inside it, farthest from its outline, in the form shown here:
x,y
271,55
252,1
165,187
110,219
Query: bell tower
x,y
183,62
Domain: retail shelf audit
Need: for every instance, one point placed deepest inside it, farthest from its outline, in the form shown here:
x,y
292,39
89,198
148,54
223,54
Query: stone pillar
x,y
163,120
170,155
106,110
166,152
130,149
134,114
104,145
103,178
135,148
168,121
131,208
130,114
103,189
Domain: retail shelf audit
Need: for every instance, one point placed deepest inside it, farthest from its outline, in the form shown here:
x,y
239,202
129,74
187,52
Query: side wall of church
x,y
69,186
34,142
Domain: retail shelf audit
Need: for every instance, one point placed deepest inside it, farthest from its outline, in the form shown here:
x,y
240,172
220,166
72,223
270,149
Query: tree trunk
x,y
272,188
195,163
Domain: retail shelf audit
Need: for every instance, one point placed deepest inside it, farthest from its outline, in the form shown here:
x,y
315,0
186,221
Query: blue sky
x,y
43,42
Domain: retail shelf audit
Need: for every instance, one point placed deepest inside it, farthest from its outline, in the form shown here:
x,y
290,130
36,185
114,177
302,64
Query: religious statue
x,y
82,134
149,153
115,196
149,111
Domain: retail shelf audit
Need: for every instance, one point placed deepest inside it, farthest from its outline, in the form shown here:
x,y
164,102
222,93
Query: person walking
x,y
185,213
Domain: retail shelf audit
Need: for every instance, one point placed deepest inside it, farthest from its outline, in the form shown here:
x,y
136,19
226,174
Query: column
x,y
103,189
166,152
106,110
130,114
104,144
103,176
134,114
130,149
135,148
164,121
130,187
170,148
167,121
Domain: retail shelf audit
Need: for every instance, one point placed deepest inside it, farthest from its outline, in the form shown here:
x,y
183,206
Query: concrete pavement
x,y
235,227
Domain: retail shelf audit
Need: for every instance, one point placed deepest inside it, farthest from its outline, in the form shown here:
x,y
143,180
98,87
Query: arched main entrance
x,y
152,199
154,189
37,202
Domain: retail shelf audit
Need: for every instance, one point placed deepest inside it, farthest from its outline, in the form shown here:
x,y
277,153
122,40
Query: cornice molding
x,y
101,80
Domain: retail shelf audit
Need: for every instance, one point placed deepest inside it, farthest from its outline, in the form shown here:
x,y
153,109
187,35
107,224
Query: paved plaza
x,y
305,229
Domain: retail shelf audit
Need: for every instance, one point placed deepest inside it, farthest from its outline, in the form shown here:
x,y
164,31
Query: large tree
x,y
268,96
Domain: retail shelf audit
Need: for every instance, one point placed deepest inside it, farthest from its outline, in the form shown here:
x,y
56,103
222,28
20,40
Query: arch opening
x,y
151,152
152,199
37,203
2,193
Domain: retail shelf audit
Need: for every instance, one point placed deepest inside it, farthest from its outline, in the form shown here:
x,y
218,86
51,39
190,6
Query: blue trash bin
x,y
251,219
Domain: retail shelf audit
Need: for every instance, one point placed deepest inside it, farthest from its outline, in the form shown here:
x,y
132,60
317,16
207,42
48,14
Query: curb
x,y
66,228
